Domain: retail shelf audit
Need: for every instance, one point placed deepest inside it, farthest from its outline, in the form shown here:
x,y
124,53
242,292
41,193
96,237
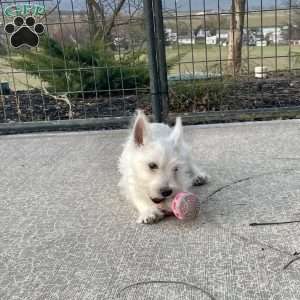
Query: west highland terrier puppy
x,y
155,165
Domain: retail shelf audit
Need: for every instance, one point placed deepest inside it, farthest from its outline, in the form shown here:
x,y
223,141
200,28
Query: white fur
x,y
165,147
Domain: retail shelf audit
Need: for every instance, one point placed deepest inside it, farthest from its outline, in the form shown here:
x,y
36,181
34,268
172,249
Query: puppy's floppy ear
x,y
141,129
177,132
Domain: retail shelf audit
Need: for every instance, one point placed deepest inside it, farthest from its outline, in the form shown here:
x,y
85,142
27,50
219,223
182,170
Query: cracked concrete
x,y
66,234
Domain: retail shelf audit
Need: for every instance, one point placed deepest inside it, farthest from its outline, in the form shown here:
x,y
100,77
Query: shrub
x,y
87,68
198,95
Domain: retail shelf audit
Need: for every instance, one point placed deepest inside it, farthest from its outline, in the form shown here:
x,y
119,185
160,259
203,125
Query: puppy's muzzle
x,y
157,200
165,192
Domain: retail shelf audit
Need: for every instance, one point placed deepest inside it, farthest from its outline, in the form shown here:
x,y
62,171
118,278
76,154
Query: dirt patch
x,y
246,94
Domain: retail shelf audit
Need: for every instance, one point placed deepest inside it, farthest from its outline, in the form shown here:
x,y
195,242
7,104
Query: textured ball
x,y
185,206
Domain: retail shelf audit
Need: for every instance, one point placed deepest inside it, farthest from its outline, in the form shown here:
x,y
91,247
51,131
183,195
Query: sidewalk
x,y
65,233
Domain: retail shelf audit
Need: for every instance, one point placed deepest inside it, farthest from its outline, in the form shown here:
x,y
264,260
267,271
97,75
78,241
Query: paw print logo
x,y
24,32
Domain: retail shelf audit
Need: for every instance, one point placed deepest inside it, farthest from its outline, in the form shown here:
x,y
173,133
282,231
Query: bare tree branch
x,y
112,21
108,14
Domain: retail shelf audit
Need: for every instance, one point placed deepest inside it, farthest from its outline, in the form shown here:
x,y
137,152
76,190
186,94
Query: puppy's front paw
x,y
200,179
150,217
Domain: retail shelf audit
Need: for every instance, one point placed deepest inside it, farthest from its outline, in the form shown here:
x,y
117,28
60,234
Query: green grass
x,y
18,79
196,60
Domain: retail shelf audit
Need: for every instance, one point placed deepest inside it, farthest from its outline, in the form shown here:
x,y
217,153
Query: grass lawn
x,y
194,60
18,79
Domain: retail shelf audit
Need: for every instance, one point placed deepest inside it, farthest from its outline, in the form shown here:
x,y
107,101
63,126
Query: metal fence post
x,y
157,58
161,57
152,57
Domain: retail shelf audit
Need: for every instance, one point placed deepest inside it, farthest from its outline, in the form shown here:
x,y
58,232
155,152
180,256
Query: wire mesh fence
x,y
80,59
199,36
89,61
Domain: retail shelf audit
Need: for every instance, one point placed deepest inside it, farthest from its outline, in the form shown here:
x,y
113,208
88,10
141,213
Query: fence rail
x,y
99,59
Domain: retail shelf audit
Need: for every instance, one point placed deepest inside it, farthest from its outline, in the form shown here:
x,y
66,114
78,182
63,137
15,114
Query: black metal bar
x,y
161,57
152,57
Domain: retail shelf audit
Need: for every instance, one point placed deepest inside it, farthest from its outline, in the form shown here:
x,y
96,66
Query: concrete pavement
x,y
66,234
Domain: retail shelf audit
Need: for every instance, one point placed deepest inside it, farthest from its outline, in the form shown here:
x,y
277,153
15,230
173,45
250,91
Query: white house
x,y
249,38
211,40
186,40
170,36
277,37
168,31
173,37
117,41
201,34
268,30
261,43
272,34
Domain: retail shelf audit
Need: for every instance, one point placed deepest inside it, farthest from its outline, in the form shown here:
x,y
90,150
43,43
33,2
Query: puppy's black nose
x,y
165,192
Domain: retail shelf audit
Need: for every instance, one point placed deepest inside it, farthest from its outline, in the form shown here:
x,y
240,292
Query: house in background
x,y
249,38
222,34
261,43
260,39
266,31
273,35
186,40
278,37
215,40
170,35
202,34
294,34
260,36
211,40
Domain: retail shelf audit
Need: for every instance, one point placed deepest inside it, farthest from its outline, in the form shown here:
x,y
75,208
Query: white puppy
x,y
154,166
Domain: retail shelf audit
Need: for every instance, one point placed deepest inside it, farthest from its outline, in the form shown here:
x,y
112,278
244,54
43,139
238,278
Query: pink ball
x,y
185,206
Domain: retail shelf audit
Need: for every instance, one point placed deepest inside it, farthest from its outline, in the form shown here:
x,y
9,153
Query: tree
x,y
103,15
105,18
236,36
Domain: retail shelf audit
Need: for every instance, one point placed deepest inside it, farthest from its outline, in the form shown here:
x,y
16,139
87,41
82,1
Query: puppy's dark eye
x,y
175,169
153,166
